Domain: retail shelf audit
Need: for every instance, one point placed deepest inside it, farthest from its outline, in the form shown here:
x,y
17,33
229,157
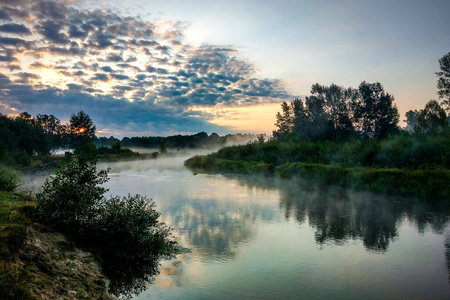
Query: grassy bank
x,y
421,183
38,264
398,152
404,165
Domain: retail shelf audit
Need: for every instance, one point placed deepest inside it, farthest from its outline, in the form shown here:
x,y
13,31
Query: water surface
x,y
262,238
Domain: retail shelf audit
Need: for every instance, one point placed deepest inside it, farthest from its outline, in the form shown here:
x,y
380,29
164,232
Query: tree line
x,y
25,135
338,113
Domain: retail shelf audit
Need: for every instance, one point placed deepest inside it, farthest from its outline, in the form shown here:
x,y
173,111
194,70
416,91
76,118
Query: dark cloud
x,y
15,28
100,77
4,15
107,69
7,55
53,31
13,67
120,76
16,42
114,58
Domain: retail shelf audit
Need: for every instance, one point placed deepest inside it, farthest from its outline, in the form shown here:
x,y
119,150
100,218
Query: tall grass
x,y
9,179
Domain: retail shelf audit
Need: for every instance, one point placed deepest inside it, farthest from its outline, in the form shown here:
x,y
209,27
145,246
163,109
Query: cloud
x,y
128,72
15,28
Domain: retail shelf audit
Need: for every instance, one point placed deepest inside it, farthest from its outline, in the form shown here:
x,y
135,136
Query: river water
x,y
263,238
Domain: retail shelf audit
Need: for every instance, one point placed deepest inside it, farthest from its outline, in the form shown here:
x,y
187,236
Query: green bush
x,y
69,200
127,230
123,233
9,179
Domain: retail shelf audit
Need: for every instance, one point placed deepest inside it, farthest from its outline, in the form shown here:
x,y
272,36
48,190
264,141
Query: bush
x,y
70,200
124,234
9,180
127,230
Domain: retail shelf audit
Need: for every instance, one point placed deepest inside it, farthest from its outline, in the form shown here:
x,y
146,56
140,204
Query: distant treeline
x,y
199,140
23,136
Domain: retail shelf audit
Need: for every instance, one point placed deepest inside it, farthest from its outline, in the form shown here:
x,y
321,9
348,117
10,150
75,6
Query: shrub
x,y
9,179
123,233
127,230
70,200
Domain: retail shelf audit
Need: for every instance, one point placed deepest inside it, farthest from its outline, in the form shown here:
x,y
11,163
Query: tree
x,y
443,83
81,129
431,119
411,119
284,122
336,107
375,113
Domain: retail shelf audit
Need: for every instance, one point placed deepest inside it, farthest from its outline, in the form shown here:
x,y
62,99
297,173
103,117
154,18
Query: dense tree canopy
x,y
337,113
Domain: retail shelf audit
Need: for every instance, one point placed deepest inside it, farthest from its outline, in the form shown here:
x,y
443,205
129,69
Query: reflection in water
x,y
131,280
339,215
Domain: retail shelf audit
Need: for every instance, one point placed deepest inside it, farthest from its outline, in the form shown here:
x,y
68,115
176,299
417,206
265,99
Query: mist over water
x,y
265,238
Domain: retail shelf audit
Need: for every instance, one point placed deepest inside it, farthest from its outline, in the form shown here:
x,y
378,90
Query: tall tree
x,y
81,129
443,83
284,122
374,111
336,106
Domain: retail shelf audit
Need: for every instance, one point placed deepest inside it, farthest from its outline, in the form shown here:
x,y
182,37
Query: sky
x,y
158,68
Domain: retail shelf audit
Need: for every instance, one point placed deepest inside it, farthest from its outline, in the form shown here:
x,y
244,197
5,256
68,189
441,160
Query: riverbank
x,y
403,165
420,183
36,263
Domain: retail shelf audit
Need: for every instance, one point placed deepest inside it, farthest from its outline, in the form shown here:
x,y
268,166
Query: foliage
x,y
13,232
69,200
403,151
9,179
374,111
431,119
336,113
214,165
411,120
443,83
123,233
198,140
81,129
20,134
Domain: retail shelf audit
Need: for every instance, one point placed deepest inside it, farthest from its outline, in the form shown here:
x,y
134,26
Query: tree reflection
x,y
130,280
340,215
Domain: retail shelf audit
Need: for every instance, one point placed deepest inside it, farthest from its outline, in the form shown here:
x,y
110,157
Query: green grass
x,y
431,184
9,179
15,211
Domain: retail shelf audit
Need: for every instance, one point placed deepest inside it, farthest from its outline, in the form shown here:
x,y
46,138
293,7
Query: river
x,y
264,238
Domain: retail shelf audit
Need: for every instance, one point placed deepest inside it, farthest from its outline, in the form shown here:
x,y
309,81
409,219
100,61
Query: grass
x,y
9,179
14,220
431,184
